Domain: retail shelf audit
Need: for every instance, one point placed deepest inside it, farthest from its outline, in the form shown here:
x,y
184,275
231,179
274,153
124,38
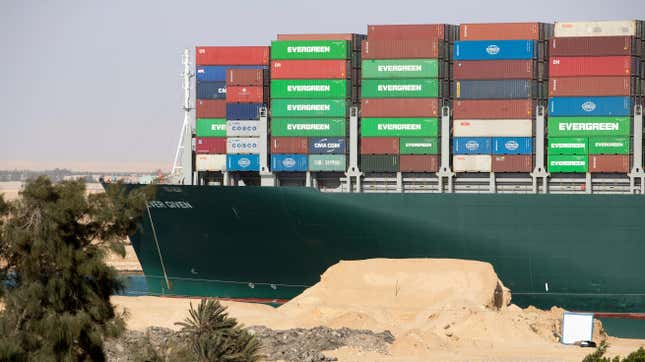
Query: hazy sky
x,y
97,82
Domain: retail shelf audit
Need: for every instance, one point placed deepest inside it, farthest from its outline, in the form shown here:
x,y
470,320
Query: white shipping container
x,y
243,128
492,128
472,163
210,162
595,28
242,145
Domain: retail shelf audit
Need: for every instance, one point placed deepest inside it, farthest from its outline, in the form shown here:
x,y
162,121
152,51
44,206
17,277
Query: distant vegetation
x,y
599,355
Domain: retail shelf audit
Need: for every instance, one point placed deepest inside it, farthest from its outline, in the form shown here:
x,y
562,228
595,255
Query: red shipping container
x,y
512,163
210,108
232,55
211,145
493,109
419,163
379,145
327,36
406,31
245,77
500,31
589,86
244,94
593,46
590,66
609,163
289,145
401,49
494,69
310,69
400,107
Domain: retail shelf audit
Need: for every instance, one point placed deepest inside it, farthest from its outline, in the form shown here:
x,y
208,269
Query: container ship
x,y
517,144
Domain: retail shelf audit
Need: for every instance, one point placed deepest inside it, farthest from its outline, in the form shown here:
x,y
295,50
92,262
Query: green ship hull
x,y
580,252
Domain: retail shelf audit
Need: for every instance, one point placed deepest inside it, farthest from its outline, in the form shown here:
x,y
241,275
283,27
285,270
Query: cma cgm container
x,y
400,107
327,145
232,55
494,50
242,162
211,90
590,106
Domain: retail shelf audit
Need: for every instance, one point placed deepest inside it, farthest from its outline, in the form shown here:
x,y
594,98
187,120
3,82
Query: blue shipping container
x,y
494,49
243,111
211,90
590,106
243,162
471,145
327,145
495,89
512,145
288,162
217,73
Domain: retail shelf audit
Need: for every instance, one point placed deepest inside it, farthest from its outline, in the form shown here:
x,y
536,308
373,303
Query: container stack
x,y
313,83
595,80
214,107
405,75
499,79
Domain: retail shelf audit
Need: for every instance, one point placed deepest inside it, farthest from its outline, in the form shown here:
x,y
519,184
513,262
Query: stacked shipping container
x,y
595,80
405,74
213,110
312,87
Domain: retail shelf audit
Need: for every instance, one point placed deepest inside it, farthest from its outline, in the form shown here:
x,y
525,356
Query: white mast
x,y
182,171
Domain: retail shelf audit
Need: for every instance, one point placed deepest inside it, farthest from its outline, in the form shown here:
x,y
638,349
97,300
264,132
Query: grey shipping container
x,y
379,163
496,89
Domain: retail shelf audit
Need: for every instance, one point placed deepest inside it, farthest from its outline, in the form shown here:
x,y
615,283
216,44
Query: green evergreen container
x,y
400,88
210,127
568,146
588,126
308,127
400,68
310,88
308,108
310,49
418,146
399,127
568,163
609,145
327,163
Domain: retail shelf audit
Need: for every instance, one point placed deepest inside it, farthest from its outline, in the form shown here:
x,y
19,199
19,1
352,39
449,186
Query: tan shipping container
x,y
595,28
210,162
492,128
471,163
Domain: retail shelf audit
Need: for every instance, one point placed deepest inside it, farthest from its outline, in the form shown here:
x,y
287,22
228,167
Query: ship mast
x,y
182,170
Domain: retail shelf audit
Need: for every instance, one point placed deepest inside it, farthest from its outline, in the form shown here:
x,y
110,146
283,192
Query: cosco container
x,y
379,145
596,28
418,145
593,46
406,31
568,163
210,145
495,89
248,77
501,31
243,111
305,127
310,49
210,162
400,107
590,106
289,145
497,69
210,108
609,163
379,163
210,127
418,163
592,66
242,145
400,68
243,128
588,126
609,145
327,163
471,145
310,88
242,162
245,94
512,145
493,128
590,86
399,127
471,163
327,145
288,163
211,90
217,73
310,69
494,49
493,108
568,146
512,163
308,107
402,49
400,88
232,55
